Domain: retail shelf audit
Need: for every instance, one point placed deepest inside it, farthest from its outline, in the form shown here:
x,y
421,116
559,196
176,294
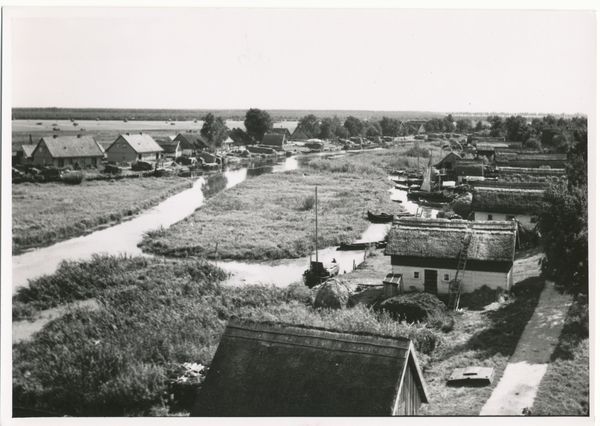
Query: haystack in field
x,y
333,293
414,307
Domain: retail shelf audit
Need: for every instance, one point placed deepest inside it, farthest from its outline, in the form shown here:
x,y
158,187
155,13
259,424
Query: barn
x,y
425,253
132,148
298,135
506,201
274,140
262,369
25,154
68,150
191,144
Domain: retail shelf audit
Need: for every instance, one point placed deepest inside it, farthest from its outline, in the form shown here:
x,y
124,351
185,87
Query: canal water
x,y
124,237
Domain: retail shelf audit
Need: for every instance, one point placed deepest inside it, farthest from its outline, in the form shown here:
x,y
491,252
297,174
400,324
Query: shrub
x,y
73,178
307,203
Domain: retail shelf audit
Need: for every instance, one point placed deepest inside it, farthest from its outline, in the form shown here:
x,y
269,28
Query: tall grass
x,y
45,214
154,317
271,217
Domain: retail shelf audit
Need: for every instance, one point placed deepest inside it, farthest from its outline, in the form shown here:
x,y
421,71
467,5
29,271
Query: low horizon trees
x,y
257,123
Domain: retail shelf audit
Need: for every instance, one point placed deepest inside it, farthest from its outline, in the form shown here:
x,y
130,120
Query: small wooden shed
x,y
263,369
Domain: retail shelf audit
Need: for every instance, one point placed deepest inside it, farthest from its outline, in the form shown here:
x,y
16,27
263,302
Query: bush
x,y
73,178
307,203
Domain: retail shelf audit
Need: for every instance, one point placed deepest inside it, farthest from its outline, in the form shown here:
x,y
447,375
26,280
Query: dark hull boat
x,y
318,273
428,203
438,196
380,218
362,246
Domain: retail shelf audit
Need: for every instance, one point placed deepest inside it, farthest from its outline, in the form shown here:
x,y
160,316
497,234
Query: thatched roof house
x,y
448,161
191,143
465,167
171,148
425,252
280,370
281,131
67,150
274,139
298,135
524,200
511,159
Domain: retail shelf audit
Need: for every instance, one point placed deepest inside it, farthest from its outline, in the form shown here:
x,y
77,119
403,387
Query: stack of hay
x,y
333,293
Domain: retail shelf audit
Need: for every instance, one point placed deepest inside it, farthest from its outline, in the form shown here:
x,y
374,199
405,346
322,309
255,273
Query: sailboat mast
x,y
316,227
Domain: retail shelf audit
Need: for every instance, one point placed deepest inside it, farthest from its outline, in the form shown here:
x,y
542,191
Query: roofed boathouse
x,y
264,369
425,252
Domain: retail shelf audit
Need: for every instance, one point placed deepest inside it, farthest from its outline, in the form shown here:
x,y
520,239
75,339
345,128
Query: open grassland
x,y
272,216
126,357
50,212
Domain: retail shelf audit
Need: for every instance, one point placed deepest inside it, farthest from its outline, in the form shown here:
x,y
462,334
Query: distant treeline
x,y
198,114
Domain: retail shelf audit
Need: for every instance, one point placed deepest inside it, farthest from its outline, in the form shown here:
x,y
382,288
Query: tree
x,y
257,123
373,129
516,128
310,125
463,125
479,126
342,132
533,143
329,126
577,170
214,130
390,126
355,126
497,125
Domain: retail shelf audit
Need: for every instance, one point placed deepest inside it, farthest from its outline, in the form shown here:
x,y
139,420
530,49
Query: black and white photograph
x,y
308,215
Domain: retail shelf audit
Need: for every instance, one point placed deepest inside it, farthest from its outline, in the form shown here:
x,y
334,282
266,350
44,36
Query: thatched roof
x,y
533,171
274,139
191,141
443,239
281,131
298,135
508,200
280,370
450,158
169,146
513,159
28,150
489,147
469,167
72,147
141,143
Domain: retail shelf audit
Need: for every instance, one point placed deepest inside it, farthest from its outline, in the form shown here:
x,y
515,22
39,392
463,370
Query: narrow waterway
x,y
124,237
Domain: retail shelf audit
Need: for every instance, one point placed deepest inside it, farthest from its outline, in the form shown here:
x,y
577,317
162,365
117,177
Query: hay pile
x,y
414,307
333,293
462,204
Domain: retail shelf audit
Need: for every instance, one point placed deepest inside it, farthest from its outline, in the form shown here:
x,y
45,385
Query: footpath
x,y
517,389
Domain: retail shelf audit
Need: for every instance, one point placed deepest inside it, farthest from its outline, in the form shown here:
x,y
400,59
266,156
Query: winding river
x,y
124,237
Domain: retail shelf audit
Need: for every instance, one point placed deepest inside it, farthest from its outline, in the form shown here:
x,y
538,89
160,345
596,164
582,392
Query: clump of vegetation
x,y
156,320
73,178
417,151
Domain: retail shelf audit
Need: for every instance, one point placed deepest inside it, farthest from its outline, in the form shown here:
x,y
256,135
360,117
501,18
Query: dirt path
x,y
527,366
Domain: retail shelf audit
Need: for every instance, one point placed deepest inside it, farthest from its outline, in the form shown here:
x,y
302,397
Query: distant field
x,y
46,213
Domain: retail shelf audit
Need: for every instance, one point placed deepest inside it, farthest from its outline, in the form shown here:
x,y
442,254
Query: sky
x,y
320,59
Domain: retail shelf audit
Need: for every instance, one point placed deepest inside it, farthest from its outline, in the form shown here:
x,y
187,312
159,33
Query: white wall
x,y
472,279
525,219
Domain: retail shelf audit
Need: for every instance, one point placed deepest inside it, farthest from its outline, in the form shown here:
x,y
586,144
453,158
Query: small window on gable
x,y
416,275
446,277
490,217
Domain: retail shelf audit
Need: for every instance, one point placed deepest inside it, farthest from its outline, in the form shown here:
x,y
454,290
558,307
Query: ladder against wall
x,y
455,285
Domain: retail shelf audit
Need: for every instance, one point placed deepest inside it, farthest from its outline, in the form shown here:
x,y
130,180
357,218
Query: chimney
x,y
78,136
127,133
54,136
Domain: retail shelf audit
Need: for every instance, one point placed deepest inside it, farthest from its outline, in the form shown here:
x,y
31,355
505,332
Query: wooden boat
x,y
362,246
397,172
439,196
402,187
318,272
401,180
428,203
380,218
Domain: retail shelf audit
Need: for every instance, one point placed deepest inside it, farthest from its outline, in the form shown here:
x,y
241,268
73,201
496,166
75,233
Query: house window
x,y
416,275
140,156
510,217
61,162
446,277
533,219
490,217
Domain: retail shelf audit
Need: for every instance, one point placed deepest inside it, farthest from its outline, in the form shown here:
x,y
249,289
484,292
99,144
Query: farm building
x,y
24,155
425,252
507,201
467,168
274,140
191,144
488,150
298,135
280,370
132,148
532,161
448,162
68,150
171,148
281,131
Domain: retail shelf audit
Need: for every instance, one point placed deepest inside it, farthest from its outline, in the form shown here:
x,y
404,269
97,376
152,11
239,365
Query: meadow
x,y
46,213
272,216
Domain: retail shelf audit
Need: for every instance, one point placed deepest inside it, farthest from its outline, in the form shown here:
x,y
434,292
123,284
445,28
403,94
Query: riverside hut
x,y
507,201
425,252
264,369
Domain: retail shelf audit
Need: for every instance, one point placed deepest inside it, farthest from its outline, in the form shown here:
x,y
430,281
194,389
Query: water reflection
x,y
214,184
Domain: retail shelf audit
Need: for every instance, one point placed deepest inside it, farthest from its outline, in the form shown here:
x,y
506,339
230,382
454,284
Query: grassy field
x,y
50,212
128,357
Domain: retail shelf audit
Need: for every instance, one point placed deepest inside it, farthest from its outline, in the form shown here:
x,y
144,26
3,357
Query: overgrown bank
x,y
156,318
44,214
272,216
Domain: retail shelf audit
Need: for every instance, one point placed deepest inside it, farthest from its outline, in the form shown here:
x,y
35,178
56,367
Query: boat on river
x,y
319,272
426,191
362,246
380,218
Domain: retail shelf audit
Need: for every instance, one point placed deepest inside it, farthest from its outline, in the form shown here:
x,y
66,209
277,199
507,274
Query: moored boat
x,y
380,218
362,246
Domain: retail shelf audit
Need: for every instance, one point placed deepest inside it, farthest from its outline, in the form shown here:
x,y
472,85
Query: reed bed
x,y
271,216
46,213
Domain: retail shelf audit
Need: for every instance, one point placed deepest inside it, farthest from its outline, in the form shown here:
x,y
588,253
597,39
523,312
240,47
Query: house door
x,y
431,281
